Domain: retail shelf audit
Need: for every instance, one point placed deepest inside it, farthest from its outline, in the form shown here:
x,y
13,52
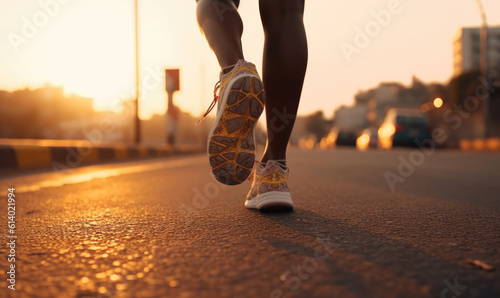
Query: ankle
x,y
227,69
265,159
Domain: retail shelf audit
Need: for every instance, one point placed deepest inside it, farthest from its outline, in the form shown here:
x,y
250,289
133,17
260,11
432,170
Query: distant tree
x,y
463,86
317,125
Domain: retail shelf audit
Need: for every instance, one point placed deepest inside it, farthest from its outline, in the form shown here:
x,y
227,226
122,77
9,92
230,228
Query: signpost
x,y
172,84
483,36
137,119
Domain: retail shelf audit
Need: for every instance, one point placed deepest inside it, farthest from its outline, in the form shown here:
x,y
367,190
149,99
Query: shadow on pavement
x,y
401,258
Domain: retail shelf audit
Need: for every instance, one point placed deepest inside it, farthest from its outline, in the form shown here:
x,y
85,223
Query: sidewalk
x,y
491,144
27,154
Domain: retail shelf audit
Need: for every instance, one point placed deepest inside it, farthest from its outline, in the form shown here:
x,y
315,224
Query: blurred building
x,y
34,113
383,96
353,118
377,101
467,49
43,113
47,113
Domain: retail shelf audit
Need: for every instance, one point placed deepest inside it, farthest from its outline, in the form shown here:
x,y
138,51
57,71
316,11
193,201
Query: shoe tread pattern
x,y
232,146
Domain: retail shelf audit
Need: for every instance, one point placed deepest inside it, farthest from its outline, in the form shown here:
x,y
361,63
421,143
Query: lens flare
x,y
438,102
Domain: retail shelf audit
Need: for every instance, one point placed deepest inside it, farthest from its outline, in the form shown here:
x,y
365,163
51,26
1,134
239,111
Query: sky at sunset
x,y
87,47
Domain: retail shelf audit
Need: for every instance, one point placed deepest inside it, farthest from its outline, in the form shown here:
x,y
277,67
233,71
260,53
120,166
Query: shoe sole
x,y
231,145
273,201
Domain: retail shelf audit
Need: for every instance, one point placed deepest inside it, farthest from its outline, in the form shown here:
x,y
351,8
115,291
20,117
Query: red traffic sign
x,y
172,82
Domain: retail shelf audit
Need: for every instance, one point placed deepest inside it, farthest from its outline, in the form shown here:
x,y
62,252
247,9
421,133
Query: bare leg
x,y
284,67
220,22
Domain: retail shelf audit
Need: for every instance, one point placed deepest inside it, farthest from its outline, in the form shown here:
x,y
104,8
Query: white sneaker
x,y
270,191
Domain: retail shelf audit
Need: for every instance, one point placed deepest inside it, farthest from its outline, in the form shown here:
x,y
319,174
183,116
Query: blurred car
x,y
342,137
368,139
403,127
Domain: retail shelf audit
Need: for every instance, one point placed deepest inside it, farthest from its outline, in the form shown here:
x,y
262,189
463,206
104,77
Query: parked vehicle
x,y
403,127
342,137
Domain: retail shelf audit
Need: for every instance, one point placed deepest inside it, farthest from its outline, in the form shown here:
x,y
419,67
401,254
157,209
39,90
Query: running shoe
x,y
270,191
231,144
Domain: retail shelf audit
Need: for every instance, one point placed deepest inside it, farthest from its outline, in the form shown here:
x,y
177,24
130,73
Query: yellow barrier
x,y
492,144
32,157
142,152
121,153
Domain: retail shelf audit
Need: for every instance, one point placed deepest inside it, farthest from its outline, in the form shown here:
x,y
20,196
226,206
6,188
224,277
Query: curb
x,y
491,144
30,157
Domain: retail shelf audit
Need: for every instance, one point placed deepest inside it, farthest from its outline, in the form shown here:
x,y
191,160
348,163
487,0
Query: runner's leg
x,y
222,26
284,67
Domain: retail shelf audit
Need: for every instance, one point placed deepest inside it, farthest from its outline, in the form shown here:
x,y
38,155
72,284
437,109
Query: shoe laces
x,y
212,105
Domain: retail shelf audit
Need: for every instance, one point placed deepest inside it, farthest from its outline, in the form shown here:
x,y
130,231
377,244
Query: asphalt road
x,y
165,228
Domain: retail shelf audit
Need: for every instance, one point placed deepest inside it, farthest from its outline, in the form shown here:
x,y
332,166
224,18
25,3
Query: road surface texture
x,y
165,228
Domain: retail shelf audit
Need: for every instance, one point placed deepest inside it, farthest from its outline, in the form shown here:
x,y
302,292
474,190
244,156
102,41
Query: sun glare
x,y
90,61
